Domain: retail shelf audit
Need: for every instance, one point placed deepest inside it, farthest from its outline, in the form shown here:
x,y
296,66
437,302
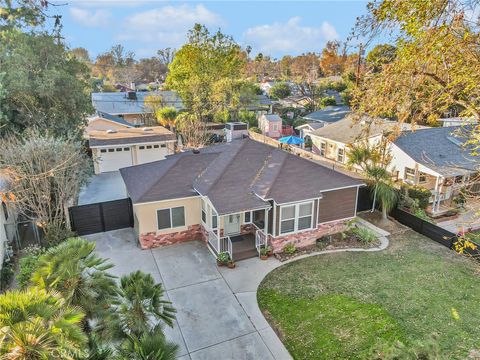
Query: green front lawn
x,y
345,305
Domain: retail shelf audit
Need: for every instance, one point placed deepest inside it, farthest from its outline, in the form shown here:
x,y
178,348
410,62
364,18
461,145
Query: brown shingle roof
x,y
238,176
129,136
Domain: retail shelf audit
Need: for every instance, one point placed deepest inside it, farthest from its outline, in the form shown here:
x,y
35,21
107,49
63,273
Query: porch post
x,y
265,230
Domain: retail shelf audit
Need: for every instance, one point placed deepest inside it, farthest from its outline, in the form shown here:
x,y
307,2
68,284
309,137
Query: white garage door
x,y
113,159
149,153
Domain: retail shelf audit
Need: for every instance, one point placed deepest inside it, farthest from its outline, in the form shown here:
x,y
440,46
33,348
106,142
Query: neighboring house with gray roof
x,y
237,197
131,105
329,114
436,159
332,141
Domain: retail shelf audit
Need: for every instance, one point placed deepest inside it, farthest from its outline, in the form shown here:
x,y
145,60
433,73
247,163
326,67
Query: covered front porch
x,y
240,234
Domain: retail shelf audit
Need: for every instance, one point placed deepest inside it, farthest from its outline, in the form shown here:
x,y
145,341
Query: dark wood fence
x,y
432,231
364,201
100,217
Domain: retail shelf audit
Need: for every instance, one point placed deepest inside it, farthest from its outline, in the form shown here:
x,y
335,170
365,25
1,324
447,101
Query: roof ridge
x,y
226,165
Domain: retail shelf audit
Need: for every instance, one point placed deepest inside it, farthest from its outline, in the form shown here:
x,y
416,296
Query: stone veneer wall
x,y
152,240
306,238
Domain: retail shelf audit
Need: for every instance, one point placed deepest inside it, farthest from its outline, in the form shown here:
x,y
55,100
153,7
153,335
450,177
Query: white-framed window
x,y
409,174
340,155
274,127
170,218
214,220
422,177
204,212
247,217
296,217
323,148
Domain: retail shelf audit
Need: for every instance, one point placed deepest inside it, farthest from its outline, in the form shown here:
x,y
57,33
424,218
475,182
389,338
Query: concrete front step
x,y
245,254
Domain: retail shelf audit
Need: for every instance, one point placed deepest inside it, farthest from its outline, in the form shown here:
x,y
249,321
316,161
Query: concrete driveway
x,y
103,187
217,312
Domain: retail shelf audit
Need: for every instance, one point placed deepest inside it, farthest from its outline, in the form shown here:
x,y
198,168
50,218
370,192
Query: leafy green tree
x,y
142,307
280,90
148,346
167,116
45,86
381,55
205,72
79,275
37,325
436,70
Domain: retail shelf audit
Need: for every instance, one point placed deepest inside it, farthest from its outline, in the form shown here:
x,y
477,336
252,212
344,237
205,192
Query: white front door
x,y
232,224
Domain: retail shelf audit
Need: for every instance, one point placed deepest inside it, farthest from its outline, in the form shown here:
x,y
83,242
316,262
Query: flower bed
x,y
349,239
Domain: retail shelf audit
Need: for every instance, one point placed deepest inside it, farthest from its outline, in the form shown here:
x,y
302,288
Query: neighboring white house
x,y
116,148
305,129
436,159
332,141
270,125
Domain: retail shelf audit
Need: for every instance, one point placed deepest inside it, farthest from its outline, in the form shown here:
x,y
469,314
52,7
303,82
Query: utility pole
x,y
359,62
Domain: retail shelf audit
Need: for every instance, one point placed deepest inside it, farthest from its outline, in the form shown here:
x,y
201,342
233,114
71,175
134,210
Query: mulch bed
x,y
335,242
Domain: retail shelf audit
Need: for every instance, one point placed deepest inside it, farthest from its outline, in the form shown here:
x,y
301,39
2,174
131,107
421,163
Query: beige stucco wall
x,y
147,214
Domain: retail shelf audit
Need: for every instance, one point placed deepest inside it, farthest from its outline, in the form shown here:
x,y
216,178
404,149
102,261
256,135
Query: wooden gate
x,y
100,217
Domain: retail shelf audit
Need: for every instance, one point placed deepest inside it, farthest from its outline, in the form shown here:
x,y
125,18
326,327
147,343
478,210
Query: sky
x,y
274,28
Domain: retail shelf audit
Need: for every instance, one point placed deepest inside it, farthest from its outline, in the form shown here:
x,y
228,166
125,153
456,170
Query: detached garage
x,y
114,149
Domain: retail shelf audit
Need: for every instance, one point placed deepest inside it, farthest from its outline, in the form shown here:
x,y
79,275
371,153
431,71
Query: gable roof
x,y
237,176
271,117
329,114
313,125
351,129
440,149
112,118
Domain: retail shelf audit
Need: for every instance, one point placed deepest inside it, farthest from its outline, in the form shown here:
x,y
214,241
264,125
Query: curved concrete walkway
x,y
217,311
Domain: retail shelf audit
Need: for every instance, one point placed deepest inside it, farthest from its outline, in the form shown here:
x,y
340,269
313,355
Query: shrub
x,y
420,194
6,274
255,130
364,234
223,258
289,249
27,265
328,101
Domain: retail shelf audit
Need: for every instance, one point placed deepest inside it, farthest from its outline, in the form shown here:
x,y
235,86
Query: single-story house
x,y
332,141
131,105
236,197
329,114
270,125
115,148
436,159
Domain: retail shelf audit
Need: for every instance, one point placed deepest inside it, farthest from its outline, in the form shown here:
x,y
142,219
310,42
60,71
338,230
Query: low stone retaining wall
x,y
153,240
306,238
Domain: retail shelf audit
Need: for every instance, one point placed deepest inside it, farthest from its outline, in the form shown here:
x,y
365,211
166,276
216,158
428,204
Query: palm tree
x,y
149,346
35,324
167,116
72,269
142,306
373,160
